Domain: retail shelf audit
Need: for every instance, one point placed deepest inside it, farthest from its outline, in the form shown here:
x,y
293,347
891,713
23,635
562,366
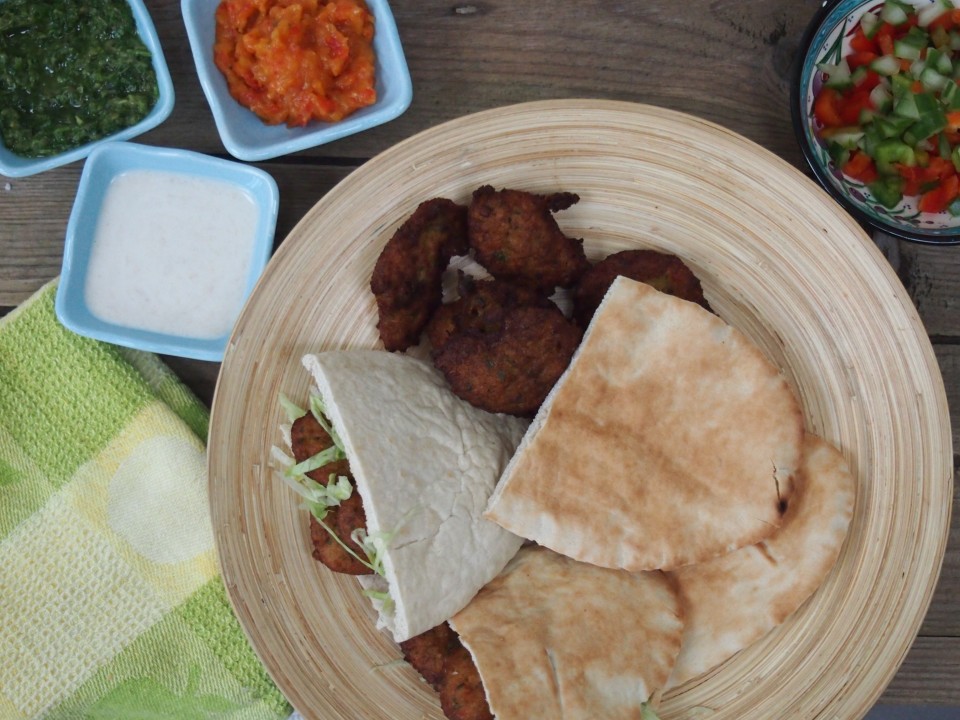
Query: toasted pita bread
x,y
734,600
669,440
555,638
425,463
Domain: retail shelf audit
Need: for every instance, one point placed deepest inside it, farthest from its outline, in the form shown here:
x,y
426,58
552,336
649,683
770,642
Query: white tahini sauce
x,y
171,253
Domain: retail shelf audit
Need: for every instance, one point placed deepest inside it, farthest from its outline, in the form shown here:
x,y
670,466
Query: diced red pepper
x,y
937,200
865,57
885,43
869,82
826,109
861,43
851,105
945,21
860,167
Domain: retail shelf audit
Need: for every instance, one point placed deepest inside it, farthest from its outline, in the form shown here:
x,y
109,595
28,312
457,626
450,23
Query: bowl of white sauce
x,y
163,247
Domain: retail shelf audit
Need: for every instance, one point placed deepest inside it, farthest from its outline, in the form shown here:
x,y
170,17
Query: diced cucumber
x,y
870,23
928,13
906,106
905,50
892,126
932,80
893,13
881,98
885,65
846,137
838,76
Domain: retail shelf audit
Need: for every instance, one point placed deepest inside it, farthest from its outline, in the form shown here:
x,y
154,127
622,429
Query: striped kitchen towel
x,y
111,605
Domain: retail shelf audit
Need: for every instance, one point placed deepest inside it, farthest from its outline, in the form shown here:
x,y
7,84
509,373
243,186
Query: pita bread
x,y
731,601
556,638
425,463
669,440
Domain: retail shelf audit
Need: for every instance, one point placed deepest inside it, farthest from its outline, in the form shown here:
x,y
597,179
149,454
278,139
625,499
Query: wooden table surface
x,y
728,61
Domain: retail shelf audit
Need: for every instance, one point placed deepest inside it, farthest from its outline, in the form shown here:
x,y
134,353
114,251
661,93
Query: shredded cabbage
x,y
647,712
374,545
383,596
293,411
324,457
319,412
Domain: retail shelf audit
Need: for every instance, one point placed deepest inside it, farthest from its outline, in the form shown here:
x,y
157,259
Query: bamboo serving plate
x,y
777,258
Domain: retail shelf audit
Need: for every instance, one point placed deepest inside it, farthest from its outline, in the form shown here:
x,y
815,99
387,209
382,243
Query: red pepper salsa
x,y
889,109
294,61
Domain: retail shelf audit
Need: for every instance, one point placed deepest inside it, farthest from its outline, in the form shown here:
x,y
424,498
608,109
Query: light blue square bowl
x,y
247,137
16,166
105,163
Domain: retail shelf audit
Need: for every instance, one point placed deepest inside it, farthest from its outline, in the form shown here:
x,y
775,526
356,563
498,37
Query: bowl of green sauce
x,y
73,74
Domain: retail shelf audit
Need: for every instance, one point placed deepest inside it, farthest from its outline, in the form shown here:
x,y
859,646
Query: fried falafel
x,y
666,273
511,370
407,278
515,237
307,438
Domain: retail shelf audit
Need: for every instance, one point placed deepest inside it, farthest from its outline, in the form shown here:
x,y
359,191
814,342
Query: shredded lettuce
x,y
647,712
324,457
294,412
374,545
383,597
319,412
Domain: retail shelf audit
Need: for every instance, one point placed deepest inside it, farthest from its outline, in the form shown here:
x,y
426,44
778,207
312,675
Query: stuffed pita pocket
x,y
734,600
554,637
424,463
669,440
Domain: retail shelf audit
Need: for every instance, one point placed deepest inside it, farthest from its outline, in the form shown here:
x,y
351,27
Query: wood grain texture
x,y
930,674
777,259
467,56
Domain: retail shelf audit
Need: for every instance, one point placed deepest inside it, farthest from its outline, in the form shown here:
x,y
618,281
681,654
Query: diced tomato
x,y
939,168
826,109
937,200
861,43
869,82
860,167
953,120
916,87
885,43
945,21
955,16
865,57
850,106
885,30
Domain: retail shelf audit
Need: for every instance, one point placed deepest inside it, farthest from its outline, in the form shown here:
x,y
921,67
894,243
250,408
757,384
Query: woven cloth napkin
x,y
111,606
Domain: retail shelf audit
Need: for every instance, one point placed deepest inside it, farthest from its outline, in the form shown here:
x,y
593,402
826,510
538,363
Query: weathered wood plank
x,y
470,56
930,674
931,275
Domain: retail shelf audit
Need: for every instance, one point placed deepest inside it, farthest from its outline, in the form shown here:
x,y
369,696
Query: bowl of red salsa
x,y
876,108
281,77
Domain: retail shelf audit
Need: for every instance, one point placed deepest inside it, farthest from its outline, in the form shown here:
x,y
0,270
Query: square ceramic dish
x,y
13,165
246,137
194,278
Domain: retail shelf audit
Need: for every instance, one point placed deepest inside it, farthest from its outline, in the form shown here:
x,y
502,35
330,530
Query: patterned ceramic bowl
x,y
827,39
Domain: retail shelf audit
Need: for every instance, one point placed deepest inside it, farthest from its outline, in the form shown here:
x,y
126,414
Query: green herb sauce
x,y
71,71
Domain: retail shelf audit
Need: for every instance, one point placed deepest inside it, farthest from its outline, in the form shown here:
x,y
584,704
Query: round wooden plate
x,y
777,258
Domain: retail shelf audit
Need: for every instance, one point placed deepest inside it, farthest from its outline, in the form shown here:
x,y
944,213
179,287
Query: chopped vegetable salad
x,y
889,108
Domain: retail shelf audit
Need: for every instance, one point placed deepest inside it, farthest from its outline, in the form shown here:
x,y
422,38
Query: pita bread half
x,y
734,600
555,638
425,463
670,439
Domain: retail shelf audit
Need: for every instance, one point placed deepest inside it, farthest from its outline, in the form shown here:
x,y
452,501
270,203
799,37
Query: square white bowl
x,y
247,137
104,164
15,166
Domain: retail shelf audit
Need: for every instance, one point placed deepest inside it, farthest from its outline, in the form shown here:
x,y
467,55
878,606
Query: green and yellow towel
x,y
111,606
